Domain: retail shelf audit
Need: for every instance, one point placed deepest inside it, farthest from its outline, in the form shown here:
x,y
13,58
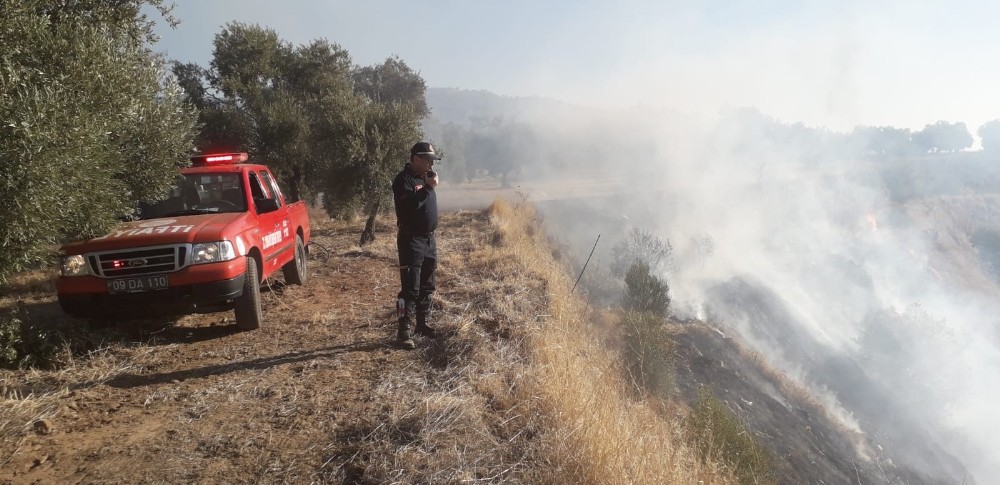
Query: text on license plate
x,y
138,284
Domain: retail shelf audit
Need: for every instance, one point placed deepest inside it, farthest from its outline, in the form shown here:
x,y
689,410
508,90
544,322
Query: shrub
x,y
645,292
25,344
719,436
10,338
648,352
640,246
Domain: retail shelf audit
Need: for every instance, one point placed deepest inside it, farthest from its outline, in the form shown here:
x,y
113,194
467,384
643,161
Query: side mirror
x,y
266,205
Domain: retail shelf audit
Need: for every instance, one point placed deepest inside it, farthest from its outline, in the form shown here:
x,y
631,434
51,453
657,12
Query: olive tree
x,y
322,124
91,123
989,133
373,151
392,82
280,103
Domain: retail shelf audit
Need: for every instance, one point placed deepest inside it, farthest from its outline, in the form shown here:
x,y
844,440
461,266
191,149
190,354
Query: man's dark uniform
x,y
417,218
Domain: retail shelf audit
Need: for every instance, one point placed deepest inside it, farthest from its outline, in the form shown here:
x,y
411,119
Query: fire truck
x,y
224,229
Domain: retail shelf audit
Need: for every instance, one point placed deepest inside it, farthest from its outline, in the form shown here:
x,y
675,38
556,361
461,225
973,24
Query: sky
x,y
826,64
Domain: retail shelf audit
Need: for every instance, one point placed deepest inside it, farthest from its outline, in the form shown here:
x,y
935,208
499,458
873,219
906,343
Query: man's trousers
x,y
417,263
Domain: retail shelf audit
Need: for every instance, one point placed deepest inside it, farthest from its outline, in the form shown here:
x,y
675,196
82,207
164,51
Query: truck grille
x,y
137,262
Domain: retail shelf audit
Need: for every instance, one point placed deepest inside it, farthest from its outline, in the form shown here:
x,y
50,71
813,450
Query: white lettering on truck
x,y
271,239
149,230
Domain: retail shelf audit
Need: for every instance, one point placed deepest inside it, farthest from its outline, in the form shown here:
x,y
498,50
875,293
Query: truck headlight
x,y
212,252
75,265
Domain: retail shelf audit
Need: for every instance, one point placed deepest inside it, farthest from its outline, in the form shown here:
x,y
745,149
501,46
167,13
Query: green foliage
x,y
382,124
24,344
645,292
90,124
648,348
719,436
648,352
883,141
392,82
373,151
491,146
284,105
10,338
319,123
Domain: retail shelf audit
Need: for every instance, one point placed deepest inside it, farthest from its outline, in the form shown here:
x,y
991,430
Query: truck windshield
x,y
202,193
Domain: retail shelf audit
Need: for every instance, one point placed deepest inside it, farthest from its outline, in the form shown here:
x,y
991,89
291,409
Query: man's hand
x,y
431,179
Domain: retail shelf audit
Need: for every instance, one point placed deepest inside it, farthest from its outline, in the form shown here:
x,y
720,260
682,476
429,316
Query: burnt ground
x,y
810,445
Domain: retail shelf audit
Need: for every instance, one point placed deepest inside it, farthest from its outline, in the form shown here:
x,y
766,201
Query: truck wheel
x,y
248,311
296,270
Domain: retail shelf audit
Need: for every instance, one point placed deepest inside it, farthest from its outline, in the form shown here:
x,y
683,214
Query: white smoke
x,y
850,266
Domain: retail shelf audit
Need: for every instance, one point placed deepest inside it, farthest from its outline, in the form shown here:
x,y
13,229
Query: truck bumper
x,y
175,300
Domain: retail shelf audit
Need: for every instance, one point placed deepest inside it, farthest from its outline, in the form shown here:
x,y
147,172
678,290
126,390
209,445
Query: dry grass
x,y
522,390
595,432
34,281
462,414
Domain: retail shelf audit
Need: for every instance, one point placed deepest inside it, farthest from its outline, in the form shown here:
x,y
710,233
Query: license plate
x,y
137,285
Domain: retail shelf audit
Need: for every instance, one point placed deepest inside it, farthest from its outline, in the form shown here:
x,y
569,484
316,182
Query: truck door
x,y
277,242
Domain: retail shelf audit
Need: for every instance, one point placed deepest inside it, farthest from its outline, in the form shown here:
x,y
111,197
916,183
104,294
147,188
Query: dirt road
x,y
200,401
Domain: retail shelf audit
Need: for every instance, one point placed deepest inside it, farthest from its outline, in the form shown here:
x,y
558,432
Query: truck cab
x,y
224,229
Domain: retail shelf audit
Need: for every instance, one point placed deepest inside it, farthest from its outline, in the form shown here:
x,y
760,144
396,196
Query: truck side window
x,y
269,183
256,189
259,194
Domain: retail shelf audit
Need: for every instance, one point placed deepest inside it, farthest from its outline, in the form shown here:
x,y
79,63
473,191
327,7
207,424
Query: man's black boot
x,y
422,328
403,335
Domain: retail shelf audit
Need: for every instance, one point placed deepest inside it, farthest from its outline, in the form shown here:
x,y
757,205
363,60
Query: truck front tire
x,y
296,270
248,311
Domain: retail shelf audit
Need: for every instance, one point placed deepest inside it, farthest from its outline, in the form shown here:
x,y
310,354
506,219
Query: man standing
x,y
416,217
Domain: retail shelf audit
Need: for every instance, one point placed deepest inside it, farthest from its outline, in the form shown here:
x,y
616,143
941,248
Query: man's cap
x,y
425,150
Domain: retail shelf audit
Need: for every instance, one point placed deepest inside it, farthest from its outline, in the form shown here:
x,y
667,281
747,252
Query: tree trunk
x,y
292,183
368,235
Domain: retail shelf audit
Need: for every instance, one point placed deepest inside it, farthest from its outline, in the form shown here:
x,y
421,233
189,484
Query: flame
x,y
872,221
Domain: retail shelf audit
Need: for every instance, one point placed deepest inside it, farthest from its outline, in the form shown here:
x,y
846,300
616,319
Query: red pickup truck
x,y
207,248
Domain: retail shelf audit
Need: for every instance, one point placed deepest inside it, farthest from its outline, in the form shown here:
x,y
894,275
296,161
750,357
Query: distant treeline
x,y
489,135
